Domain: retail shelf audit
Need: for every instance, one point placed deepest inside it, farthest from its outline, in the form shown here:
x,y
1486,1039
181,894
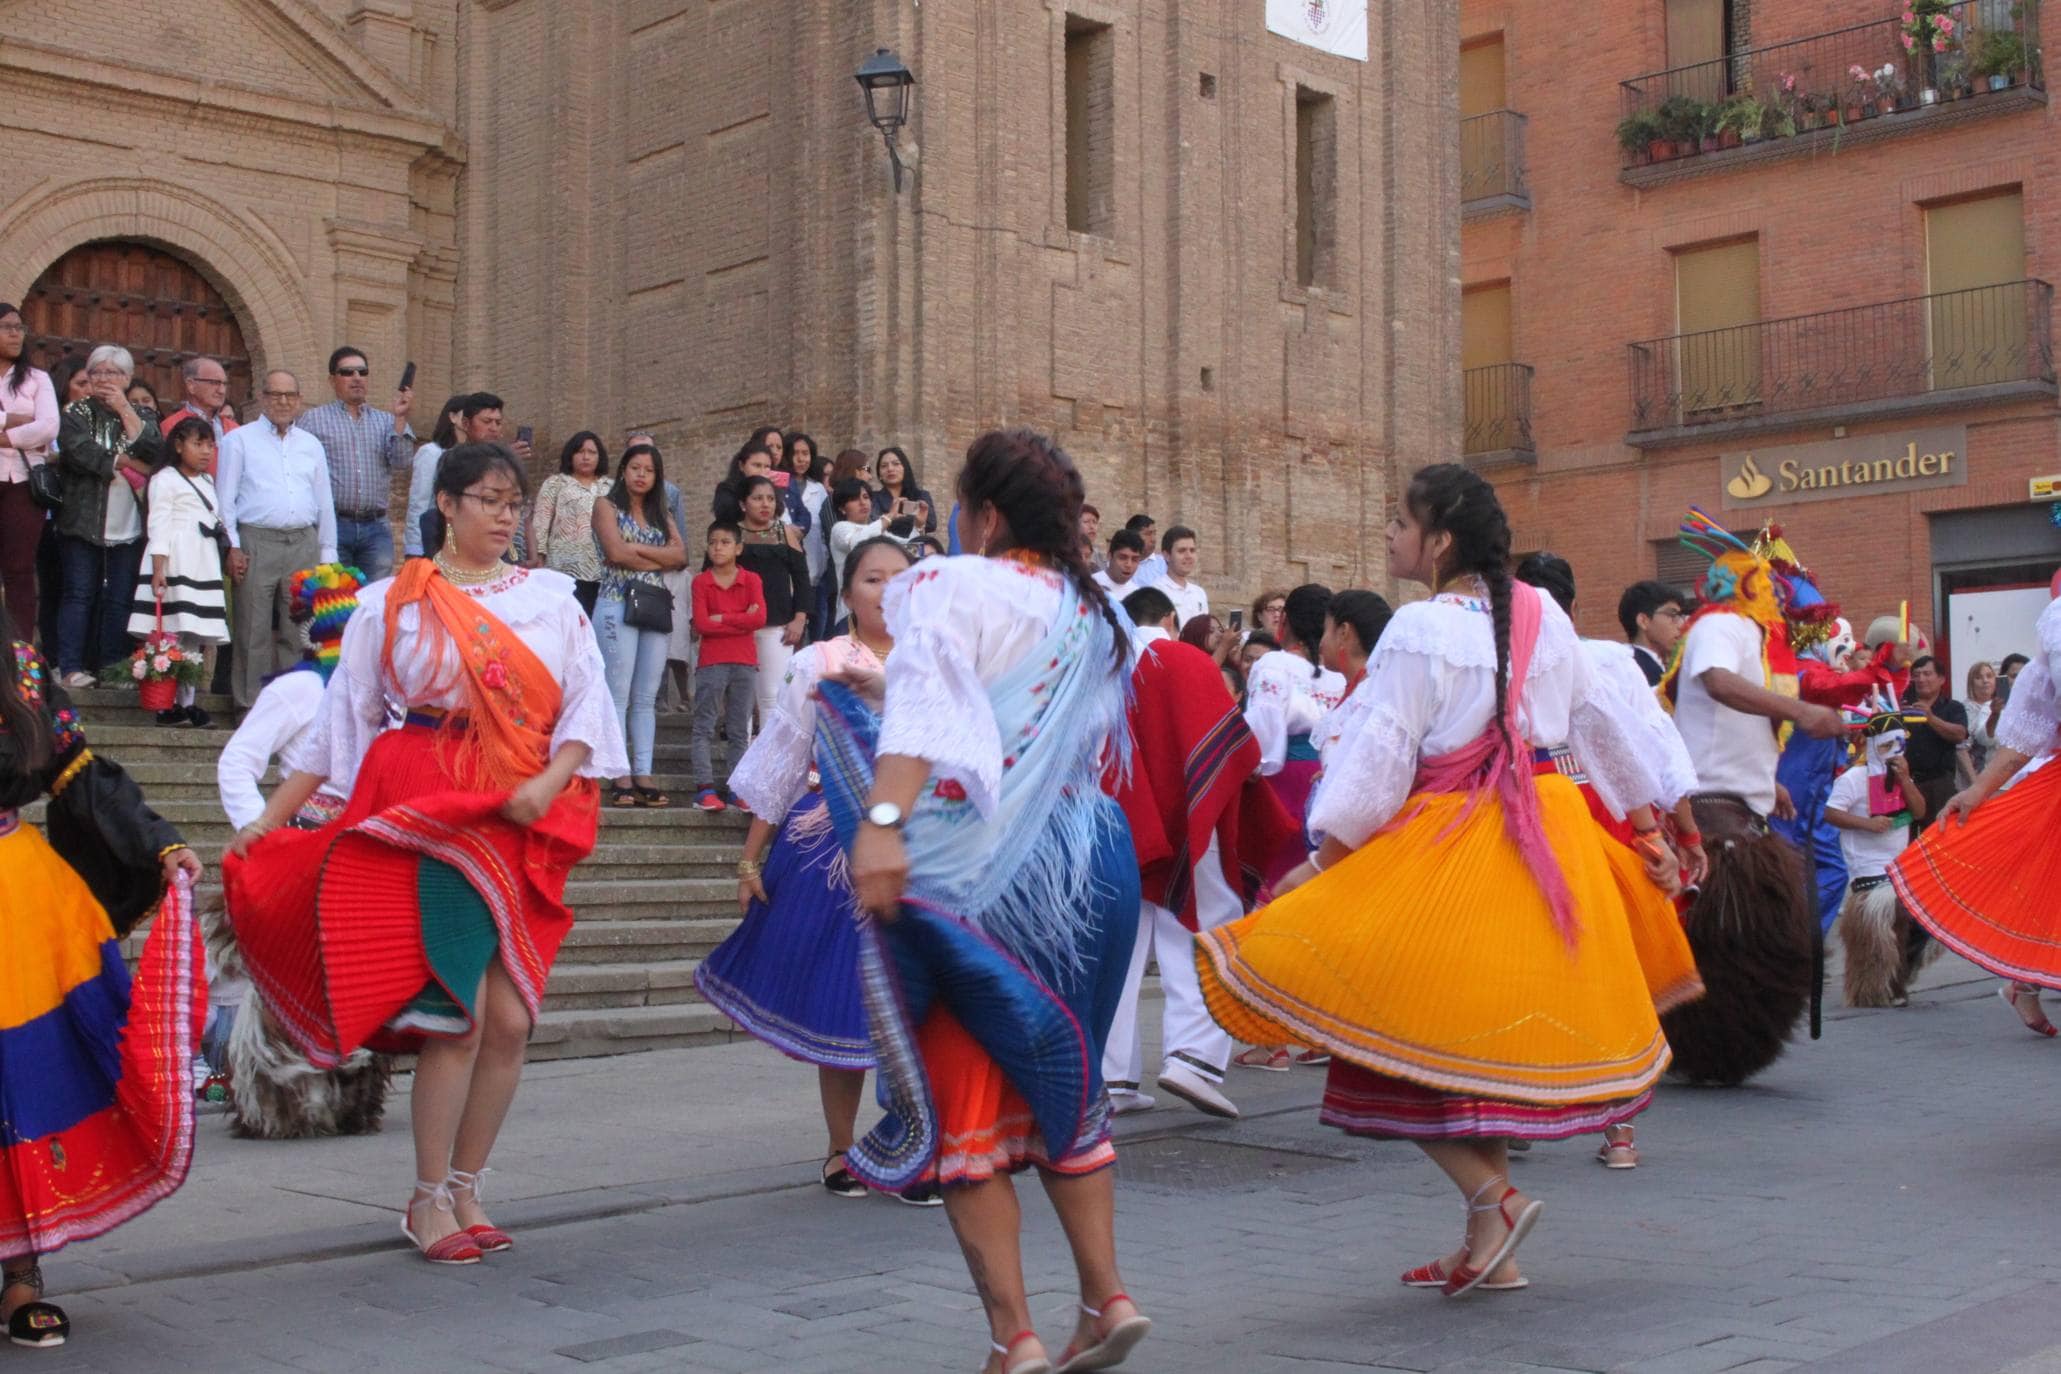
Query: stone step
x,y
584,1033
597,986
651,899
601,941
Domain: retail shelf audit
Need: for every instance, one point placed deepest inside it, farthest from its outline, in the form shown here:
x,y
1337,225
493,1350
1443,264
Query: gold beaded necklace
x,y
468,577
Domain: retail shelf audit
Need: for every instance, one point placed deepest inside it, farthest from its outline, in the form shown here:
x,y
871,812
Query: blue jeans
x,y
636,662
96,588
367,545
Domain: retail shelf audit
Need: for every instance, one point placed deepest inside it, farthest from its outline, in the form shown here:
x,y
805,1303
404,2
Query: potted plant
x,y
1681,123
1929,31
1706,126
1953,75
1777,122
1738,121
157,670
1889,88
1638,137
1860,93
2000,56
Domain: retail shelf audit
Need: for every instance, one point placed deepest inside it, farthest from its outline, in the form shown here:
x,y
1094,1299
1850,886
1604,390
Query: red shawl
x,y
1194,773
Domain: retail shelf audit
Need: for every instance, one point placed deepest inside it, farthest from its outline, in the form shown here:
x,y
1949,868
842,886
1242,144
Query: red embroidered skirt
x,y
331,921
1362,1102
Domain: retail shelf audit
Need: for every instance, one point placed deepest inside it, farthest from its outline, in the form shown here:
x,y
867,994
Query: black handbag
x,y
647,606
46,486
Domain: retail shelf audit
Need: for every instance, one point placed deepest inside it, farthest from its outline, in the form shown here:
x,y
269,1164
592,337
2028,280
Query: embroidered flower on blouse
x,y
494,675
948,789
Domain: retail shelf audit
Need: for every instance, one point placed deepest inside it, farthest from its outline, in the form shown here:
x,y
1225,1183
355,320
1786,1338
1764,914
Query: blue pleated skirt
x,y
789,974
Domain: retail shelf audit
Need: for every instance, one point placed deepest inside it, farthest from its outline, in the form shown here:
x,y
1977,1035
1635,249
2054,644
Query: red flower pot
x,y
158,695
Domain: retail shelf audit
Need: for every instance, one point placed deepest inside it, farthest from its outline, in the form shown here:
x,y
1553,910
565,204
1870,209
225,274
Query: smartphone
x,y
1237,620
525,434
408,375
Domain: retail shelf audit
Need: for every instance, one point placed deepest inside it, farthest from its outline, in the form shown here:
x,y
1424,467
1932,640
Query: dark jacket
x,y
884,503
89,439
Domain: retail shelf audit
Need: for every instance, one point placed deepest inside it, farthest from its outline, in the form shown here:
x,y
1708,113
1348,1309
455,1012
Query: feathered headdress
x,y
321,600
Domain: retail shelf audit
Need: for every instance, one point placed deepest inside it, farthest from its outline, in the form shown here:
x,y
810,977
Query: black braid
x,y
1447,498
1303,617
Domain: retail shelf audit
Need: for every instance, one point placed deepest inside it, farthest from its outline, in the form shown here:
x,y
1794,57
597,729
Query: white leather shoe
x,y
1198,1092
1124,1101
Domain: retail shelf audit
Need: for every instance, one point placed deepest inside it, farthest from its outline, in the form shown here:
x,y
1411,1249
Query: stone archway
x,y
254,273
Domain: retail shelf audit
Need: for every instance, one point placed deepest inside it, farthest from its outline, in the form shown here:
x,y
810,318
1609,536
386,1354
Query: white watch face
x,y
885,814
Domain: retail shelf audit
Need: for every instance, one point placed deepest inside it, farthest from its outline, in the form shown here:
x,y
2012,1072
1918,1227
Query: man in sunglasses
x,y
365,447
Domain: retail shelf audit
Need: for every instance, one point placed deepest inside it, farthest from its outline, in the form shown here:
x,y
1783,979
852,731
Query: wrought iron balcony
x,y
1492,164
1899,357
1832,90
1498,409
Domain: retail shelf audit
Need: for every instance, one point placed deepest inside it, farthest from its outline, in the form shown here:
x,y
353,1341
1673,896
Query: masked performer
x,y
1006,884
427,916
1461,940
274,1092
790,972
96,1106
1733,690
1874,805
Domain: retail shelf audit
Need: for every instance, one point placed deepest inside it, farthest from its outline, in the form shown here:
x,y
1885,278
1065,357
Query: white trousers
x,y
1187,1031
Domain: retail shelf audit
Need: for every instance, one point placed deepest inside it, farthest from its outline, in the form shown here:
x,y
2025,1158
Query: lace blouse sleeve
x,y
1630,750
937,707
1269,701
774,772
1376,764
587,714
353,709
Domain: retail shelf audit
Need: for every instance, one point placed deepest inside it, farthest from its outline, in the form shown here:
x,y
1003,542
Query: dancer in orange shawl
x,y
426,917
1461,941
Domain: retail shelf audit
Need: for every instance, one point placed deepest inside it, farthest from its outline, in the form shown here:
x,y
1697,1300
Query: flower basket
x,y
158,668
157,694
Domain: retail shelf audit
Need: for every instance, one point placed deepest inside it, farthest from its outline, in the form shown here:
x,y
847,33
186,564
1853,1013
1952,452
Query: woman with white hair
x,y
107,449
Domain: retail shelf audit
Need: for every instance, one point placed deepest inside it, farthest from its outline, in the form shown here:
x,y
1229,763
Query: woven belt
x,y
1559,759
430,718
1870,884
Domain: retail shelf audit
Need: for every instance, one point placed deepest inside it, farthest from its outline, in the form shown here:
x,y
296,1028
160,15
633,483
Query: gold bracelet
x,y
748,868
71,771
172,849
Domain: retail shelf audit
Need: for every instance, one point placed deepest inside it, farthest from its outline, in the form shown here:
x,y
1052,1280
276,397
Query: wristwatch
x,y
886,815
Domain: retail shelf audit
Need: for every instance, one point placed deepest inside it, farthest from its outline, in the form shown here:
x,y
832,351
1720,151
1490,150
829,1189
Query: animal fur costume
x,y
274,1092
1884,947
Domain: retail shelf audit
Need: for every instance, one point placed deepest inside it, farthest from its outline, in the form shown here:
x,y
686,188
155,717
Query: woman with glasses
x,y
109,450
425,919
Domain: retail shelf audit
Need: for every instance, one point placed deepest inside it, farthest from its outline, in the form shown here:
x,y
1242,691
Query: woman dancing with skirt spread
x,y
96,1100
1006,884
1462,940
790,972
426,917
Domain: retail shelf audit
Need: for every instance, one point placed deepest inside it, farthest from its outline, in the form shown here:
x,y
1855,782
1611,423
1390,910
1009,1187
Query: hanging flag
x,y
1335,26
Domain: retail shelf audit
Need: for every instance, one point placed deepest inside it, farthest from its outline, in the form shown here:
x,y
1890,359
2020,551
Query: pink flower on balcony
x,y
495,676
1909,42
1944,24
1910,16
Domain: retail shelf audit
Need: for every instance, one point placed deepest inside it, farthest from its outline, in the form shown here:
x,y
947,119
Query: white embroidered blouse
x,y
1647,731
536,603
1285,694
774,772
1431,689
2031,720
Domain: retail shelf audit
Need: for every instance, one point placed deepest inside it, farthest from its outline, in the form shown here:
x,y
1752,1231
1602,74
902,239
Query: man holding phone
x,y
364,447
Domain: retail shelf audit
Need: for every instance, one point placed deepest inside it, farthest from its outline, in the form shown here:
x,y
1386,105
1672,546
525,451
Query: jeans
x,y
636,662
726,688
97,586
367,545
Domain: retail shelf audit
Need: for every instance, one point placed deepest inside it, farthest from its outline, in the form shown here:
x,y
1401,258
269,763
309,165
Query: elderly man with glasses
x,y
205,387
365,446
274,489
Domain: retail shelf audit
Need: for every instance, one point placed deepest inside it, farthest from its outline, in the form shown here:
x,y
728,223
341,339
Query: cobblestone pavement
x,y
1883,1200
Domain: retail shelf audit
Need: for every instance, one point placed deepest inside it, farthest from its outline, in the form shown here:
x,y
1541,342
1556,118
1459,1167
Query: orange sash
x,y
511,699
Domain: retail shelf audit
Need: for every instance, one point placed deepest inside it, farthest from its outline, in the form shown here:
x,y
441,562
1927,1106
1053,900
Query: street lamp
x,y
886,83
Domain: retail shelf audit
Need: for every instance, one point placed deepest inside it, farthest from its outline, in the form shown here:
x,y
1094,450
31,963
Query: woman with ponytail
x,y
1287,692
1005,886
1460,941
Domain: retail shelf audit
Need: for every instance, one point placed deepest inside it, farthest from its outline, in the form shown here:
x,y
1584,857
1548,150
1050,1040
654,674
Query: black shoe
x,y
198,718
175,715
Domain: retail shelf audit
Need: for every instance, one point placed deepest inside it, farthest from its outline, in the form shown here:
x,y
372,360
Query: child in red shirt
x,y
729,603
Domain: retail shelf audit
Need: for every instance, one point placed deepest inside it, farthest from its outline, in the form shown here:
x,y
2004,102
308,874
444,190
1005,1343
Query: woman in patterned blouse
x,y
562,525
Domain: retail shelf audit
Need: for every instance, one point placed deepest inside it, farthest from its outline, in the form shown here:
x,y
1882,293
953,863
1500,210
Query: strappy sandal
x,y
1434,1275
1273,1059
1116,1343
653,798
35,1325
623,797
1467,1278
839,1182
457,1248
490,1238
2037,1023
1036,1365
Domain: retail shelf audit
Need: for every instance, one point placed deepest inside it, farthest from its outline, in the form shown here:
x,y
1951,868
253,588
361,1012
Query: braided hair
x,y
1034,486
1449,499
1303,619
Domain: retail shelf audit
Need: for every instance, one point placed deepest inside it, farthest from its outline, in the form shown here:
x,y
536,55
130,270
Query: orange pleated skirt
x,y
1987,887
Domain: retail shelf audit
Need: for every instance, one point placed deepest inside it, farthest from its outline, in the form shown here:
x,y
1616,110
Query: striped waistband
x,y
430,718
10,821
1559,759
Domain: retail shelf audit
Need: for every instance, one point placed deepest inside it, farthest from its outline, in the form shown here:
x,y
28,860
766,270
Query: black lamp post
x,y
886,83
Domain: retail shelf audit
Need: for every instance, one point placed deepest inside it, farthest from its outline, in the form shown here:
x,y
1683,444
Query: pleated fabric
x,y
1430,955
332,921
1657,934
96,1099
1986,887
789,974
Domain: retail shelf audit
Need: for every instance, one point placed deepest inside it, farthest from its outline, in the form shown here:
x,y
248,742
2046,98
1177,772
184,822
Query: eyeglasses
x,y
208,381
498,506
13,327
1668,613
281,395
353,372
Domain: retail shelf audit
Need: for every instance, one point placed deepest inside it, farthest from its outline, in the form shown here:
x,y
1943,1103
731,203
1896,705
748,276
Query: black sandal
x,y
35,1325
653,798
839,1181
624,797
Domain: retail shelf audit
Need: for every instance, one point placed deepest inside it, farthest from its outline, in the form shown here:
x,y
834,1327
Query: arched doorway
x,y
147,300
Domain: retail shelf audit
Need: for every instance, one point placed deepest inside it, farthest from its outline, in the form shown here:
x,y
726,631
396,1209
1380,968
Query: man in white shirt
x,y
276,503
1182,557
1153,566
1119,579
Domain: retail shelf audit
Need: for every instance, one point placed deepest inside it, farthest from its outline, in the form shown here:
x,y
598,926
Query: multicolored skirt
x,y
1429,957
789,974
377,929
1986,886
96,1089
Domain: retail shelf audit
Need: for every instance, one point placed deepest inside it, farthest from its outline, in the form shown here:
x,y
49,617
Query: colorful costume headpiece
x,y
321,600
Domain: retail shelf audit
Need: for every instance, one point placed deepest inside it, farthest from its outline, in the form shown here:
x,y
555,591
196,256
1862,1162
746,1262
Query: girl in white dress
x,y
182,562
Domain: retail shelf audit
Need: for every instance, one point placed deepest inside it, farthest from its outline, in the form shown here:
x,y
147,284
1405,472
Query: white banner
x,y
1335,26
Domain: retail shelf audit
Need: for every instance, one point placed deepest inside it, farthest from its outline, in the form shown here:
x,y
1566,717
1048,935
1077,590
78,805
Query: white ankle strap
x,y
439,1194
1474,1199
468,1181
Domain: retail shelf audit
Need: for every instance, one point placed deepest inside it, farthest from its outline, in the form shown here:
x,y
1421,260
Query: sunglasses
x,y
354,372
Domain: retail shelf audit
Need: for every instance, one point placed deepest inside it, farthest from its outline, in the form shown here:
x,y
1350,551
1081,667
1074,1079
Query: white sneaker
x,y
1124,1101
1198,1092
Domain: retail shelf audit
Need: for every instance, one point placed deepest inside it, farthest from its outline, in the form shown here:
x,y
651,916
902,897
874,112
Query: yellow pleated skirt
x,y
1430,955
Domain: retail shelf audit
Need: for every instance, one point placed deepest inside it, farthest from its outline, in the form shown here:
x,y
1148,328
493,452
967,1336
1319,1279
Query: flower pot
x,y
1729,139
1807,121
2000,82
158,695
1928,96
1660,150
1856,113
1709,143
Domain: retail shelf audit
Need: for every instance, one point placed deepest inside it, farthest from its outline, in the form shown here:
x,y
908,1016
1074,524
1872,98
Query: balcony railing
x,y
1898,355
1498,408
1852,82
1492,162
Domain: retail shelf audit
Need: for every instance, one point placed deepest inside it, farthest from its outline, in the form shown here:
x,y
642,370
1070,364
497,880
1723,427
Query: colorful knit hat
x,y
321,600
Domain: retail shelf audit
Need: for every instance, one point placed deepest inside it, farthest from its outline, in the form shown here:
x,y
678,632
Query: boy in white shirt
x,y
1182,558
1120,578
1882,942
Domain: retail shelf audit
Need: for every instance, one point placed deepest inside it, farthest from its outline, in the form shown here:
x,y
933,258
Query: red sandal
x,y
457,1248
2038,1024
491,1239
1116,1343
1040,1365
1467,1278
1434,1275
